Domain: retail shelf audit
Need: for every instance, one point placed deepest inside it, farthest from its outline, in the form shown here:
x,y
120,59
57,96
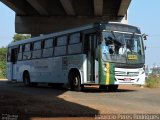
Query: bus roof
x,y
98,26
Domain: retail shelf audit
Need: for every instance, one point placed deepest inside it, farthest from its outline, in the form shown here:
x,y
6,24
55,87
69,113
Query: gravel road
x,y
43,102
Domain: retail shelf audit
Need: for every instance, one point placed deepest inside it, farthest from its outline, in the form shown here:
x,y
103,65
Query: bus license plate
x,y
127,79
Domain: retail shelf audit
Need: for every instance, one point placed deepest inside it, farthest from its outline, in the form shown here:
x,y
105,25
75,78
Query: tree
x,y
18,37
3,52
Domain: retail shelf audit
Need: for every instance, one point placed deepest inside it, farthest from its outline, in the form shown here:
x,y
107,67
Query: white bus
x,y
105,54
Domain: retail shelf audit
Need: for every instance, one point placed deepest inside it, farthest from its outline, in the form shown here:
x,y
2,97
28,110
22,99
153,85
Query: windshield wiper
x,y
115,38
113,35
128,45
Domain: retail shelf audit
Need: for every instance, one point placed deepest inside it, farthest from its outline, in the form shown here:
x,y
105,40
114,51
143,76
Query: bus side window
x,y
20,52
61,46
37,50
48,48
27,51
48,43
75,44
75,38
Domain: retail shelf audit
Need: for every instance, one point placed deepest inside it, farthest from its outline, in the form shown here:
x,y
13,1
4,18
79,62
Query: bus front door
x,y
92,62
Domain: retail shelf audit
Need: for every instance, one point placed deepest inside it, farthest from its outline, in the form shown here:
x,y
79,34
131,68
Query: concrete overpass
x,y
45,16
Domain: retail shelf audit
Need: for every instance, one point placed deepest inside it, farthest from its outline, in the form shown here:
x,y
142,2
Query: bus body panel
x,y
96,72
14,67
52,70
9,71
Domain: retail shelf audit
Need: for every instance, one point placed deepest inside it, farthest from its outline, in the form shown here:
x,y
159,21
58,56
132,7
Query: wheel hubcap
x,y
76,81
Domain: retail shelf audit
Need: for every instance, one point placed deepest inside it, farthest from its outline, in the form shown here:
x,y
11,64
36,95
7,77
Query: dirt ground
x,y
38,103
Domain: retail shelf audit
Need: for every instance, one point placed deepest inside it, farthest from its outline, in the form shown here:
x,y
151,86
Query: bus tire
x,y
26,78
112,88
75,82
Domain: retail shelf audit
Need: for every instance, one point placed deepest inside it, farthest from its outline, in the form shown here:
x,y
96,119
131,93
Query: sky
x,y
146,15
7,19
142,13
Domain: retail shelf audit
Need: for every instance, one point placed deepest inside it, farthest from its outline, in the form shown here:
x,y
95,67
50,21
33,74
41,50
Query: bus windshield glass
x,y
122,47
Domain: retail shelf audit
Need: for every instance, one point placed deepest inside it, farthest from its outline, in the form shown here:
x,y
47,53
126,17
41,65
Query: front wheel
x,y
75,83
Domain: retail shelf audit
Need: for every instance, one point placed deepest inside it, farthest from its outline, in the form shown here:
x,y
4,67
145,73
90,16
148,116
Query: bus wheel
x,y
112,88
74,80
26,79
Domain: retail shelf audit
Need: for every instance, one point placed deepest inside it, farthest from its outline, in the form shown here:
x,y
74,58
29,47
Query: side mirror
x,y
144,36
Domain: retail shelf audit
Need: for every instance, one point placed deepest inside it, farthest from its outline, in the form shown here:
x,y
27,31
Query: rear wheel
x,y
112,87
75,83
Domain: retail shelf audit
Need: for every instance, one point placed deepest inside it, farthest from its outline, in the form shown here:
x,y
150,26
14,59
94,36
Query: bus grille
x,y
128,74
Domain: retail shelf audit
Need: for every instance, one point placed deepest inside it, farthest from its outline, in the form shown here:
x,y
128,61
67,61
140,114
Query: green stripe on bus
x,y
106,77
107,73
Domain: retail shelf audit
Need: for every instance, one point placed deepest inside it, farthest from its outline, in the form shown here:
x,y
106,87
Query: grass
x,y
153,81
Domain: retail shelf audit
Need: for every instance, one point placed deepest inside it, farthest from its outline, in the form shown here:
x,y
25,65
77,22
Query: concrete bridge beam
x,y
35,25
39,7
45,16
68,7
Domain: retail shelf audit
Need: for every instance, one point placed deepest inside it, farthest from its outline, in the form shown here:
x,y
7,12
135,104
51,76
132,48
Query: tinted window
x,y
74,38
19,56
47,52
36,54
20,52
62,41
26,56
37,45
14,54
48,43
58,51
20,48
75,48
27,47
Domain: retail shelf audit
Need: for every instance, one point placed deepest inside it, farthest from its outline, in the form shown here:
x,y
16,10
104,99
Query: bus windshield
x,y
122,47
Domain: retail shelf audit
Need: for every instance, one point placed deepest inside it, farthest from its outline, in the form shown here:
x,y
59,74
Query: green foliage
x,y
3,52
153,81
18,37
